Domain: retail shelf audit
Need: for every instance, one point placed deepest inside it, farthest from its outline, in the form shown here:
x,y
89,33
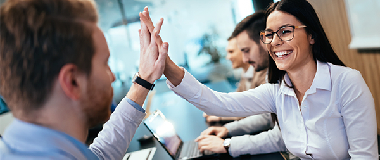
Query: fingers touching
x,y
163,50
158,25
153,51
157,30
144,36
145,18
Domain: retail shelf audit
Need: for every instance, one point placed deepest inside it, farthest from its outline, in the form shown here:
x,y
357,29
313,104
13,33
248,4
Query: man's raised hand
x,y
152,57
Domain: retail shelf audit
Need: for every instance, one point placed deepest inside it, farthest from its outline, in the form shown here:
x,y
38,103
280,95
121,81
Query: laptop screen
x,y
164,131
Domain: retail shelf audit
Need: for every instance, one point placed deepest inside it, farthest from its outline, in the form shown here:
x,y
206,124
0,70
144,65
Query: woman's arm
x,y
265,142
241,104
173,72
359,116
214,103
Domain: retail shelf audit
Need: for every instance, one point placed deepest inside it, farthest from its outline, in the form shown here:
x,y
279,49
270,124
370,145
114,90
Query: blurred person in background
x,y
236,57
256,134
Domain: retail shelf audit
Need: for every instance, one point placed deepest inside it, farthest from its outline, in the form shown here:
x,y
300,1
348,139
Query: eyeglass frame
x,y
262,33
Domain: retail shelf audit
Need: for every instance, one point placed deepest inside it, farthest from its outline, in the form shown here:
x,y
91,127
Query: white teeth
x,y
282,53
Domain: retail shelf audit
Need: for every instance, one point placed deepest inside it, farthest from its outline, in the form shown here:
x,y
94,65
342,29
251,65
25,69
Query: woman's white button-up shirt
x,y
336,119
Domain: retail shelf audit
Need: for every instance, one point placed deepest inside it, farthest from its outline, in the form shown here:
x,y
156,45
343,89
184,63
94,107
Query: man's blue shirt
x,y
23,140
34,141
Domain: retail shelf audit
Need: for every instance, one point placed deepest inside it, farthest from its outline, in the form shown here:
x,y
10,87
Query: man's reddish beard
x,y
97,103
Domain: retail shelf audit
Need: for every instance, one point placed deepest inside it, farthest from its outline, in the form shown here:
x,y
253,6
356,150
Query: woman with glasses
x,y
325,110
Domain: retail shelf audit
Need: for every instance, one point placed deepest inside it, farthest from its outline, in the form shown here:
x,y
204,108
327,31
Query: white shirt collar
x,y
322,80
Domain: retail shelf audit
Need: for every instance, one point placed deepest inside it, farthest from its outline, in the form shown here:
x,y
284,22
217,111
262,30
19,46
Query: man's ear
x,y
68,79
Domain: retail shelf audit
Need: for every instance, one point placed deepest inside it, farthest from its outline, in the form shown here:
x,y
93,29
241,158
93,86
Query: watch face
x,y
134,77
227,142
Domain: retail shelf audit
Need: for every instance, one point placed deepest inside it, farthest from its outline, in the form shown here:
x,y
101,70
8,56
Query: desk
x,y
188,123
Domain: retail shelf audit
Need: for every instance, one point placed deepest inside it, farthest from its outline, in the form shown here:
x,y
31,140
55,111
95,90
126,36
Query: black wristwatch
x,y
226,144
142,82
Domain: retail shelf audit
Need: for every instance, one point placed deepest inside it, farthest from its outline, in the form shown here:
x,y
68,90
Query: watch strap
x,y
144,83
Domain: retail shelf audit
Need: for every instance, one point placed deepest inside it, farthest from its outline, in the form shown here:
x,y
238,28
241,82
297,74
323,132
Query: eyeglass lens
x,y
284,33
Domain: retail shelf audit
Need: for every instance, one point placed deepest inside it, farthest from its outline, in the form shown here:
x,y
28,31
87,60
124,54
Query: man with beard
x,y
55,77
258,140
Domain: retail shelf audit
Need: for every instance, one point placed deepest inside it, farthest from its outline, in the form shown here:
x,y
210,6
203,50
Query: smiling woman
x,y
302,14
300,53
325,110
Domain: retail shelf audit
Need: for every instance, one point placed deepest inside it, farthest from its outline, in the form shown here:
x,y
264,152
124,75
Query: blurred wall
x,y
333,16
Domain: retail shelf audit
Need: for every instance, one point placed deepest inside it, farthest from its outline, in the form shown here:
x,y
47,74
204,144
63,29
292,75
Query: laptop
x,y
164,133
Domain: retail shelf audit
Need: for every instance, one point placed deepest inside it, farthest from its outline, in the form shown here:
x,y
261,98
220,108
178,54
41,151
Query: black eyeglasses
x,y
285,33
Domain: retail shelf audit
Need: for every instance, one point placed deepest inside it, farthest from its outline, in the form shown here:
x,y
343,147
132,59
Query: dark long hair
x,y
305,13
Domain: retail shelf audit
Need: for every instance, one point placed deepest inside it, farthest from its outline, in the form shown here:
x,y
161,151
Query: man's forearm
x,y
265,142
114,139
251,124
137,93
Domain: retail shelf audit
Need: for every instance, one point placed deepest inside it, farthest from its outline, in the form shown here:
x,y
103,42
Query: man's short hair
x,y
37,38
253,24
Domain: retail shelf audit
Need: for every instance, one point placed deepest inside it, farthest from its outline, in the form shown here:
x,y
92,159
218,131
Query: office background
x,y
190,26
